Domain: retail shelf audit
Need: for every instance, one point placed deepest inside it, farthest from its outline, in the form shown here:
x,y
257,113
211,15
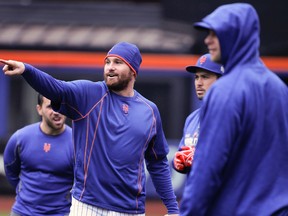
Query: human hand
x,y
189,152
179,161
184,157
12,67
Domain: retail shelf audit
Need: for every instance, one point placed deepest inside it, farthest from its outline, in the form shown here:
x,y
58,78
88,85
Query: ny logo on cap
x,y
202,60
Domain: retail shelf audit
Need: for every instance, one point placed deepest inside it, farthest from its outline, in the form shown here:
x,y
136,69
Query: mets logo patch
x,y
125,108
47,147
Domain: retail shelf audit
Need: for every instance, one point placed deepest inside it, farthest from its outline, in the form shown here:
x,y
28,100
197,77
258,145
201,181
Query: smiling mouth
x,y
56,119
111,75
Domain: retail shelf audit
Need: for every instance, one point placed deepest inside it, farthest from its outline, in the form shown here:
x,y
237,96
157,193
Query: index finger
x,y
4,61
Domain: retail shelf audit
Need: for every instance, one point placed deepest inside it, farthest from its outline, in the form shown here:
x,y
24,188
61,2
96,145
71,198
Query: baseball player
x,y
116,130
240,165
38,161
206,73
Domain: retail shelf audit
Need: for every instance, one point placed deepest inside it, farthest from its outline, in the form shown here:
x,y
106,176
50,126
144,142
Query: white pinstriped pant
x,y
82,209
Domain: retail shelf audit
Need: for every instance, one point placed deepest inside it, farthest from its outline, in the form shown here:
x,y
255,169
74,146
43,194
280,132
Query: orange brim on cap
x,y
117,56
127,52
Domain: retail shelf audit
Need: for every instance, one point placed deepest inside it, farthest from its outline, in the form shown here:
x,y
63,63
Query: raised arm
x,y
42,82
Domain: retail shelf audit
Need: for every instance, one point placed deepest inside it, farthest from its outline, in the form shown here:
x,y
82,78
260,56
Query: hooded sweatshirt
x,y
241,162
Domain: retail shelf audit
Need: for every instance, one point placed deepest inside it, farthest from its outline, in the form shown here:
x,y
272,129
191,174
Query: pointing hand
x,y
12,67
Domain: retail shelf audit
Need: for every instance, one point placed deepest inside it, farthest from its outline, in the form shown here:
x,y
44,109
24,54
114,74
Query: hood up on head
x,y
237,28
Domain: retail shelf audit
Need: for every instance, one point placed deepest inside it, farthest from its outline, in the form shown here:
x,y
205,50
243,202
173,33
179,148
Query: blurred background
x,y
69,39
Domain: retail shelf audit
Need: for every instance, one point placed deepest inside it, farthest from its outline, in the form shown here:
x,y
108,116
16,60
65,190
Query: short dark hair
x,y
40,99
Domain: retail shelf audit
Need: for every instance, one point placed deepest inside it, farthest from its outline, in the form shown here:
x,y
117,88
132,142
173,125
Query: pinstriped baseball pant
x,y
82,209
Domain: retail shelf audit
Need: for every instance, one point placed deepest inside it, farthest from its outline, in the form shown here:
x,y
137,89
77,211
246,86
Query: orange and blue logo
x,y
202,60
47,147
125,108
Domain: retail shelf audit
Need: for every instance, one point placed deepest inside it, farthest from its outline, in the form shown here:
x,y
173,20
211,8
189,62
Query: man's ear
x,y
39,109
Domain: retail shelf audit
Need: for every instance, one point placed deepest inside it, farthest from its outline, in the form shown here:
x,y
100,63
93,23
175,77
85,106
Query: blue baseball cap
x,y
205,62
127,52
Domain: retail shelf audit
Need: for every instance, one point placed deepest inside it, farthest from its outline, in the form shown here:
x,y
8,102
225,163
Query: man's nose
x,y
199,82
111,66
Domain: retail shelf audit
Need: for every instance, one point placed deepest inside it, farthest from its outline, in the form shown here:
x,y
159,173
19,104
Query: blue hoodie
x,y
241,162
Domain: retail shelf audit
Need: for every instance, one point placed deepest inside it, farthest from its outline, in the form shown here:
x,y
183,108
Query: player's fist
x,y
188,152
179,161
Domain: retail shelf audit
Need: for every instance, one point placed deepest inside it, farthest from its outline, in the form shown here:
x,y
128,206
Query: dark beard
x,y
121,84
